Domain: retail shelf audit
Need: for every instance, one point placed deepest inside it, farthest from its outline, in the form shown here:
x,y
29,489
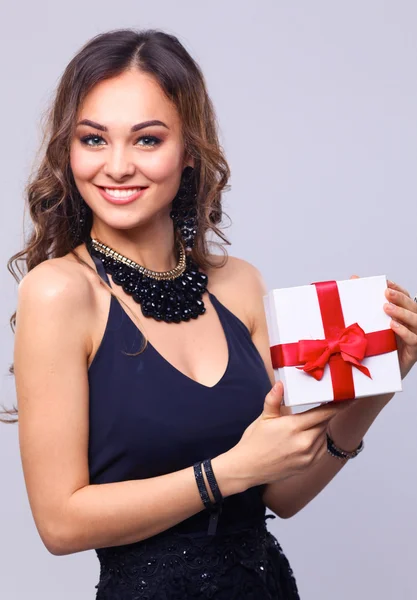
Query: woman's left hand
x,y
403,312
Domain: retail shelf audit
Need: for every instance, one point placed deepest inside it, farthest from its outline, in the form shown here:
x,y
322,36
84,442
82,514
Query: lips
x,y
126,195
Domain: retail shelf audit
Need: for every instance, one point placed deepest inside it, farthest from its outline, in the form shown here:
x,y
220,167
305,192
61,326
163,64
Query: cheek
x,y
83,164
164,165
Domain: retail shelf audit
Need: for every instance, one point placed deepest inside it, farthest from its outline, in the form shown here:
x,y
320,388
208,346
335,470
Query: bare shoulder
x,y
58,278
237,269
59,289
240,283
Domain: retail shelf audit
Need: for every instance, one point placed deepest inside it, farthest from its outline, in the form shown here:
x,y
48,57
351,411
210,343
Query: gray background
x,y
317,108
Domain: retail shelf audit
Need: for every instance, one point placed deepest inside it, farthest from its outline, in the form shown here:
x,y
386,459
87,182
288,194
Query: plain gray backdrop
x,y
316,103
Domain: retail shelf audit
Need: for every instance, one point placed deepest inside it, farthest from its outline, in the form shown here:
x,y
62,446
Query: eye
x,y
150,140
90,137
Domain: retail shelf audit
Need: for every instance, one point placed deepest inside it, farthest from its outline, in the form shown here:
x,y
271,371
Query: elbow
x,y
284,508
280,513
57,541
56,545
290,511
58,548
285,512
55,549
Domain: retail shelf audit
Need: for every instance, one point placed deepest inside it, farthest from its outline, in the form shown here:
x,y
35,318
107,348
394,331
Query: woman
x,y
161,456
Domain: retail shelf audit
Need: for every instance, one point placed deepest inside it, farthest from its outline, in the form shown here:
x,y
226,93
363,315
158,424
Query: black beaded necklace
x,y
171,296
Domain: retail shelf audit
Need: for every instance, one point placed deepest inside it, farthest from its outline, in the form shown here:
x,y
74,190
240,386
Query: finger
x,y
272,401
409,337
321,414
395,286
402,315
354,277
401,299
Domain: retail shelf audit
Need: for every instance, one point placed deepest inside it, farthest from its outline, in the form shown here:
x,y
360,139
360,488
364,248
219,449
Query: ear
x,y
188,161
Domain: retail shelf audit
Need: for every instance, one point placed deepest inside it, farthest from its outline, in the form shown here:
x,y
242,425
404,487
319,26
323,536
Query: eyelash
x,y
86,138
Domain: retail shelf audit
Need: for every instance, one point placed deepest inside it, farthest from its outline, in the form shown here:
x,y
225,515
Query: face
x,y
145,163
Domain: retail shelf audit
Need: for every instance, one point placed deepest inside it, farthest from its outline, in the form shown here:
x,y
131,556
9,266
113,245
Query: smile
x,y
121,196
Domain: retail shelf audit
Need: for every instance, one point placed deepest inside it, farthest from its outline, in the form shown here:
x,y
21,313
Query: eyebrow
x,y
136,127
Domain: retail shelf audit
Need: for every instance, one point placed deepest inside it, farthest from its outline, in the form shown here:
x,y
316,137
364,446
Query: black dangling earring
x,y
81,222
184,211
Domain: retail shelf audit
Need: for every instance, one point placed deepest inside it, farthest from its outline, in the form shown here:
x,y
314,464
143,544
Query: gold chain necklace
x,y
159,275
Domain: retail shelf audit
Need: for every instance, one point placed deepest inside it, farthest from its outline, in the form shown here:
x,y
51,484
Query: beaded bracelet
x,y
217,507
342,454
213,508
212,481
202,486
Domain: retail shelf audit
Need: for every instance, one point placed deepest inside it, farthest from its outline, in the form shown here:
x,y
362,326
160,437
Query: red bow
x,y
351,342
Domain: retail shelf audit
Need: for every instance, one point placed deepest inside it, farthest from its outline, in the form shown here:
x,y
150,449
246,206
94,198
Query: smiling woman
x,y
161,457
133,175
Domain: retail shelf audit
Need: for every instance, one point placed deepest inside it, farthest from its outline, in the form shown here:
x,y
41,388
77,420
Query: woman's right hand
x,y
277,446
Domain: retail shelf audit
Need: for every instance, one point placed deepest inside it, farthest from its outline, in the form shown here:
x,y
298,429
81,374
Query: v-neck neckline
x,y
215,303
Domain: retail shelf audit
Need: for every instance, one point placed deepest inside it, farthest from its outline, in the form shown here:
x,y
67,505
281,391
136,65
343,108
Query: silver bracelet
x,y
337,452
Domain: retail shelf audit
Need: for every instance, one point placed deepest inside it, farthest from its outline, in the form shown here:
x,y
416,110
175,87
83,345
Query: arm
x,y
289,496
129,511
55,307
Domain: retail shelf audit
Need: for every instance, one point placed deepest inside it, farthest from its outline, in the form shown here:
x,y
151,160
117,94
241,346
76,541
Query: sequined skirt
x,y
245,564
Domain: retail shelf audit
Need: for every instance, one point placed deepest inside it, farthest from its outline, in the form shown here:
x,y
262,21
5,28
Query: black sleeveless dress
x,y
148,419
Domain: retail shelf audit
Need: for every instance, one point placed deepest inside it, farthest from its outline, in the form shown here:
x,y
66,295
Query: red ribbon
x,y
343,347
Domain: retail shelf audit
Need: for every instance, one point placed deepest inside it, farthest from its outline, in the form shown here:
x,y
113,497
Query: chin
x,y
133,220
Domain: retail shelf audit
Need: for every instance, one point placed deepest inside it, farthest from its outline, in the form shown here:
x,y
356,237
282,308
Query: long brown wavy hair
x,y
51,196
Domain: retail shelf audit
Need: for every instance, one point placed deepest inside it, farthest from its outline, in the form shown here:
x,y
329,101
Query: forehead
x,y
127,99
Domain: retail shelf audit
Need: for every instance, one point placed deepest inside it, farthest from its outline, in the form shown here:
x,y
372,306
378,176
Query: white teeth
x,y
121,193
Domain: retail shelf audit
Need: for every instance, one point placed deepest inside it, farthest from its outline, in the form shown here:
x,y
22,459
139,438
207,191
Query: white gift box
x,y
295,314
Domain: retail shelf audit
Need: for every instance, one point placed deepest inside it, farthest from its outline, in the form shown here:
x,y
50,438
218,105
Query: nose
x,y
119,164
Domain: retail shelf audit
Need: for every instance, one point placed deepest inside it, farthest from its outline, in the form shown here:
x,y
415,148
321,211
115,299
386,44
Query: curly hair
x,y
51,195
